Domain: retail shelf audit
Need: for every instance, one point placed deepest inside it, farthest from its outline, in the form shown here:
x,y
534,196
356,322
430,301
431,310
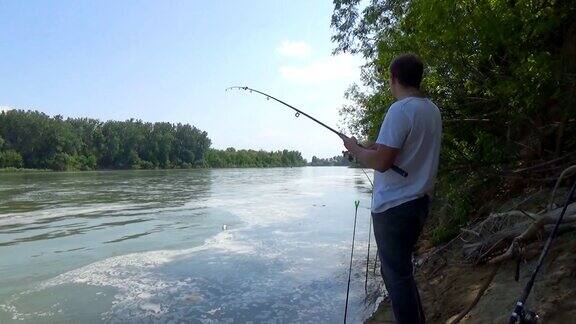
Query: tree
x,y
338,160
502,73
511,61
34,140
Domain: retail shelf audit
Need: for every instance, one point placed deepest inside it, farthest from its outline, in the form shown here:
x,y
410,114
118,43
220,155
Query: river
x,y
193,246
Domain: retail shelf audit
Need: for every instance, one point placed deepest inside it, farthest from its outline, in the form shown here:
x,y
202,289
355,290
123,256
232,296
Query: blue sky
x,y
172,60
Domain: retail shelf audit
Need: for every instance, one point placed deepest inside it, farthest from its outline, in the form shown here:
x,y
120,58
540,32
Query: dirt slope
x,y
448,286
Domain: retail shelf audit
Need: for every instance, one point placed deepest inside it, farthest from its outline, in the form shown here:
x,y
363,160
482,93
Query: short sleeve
x,y
394,129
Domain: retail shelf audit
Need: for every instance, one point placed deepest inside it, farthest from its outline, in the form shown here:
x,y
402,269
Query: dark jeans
x,y
396,231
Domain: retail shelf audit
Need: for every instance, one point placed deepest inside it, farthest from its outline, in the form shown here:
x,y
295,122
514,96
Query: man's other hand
x,y
350,143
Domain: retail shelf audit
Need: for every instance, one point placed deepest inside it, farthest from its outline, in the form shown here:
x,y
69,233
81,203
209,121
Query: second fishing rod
x,y
299,112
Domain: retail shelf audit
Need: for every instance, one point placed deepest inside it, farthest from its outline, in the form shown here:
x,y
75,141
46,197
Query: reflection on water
x,y
237,245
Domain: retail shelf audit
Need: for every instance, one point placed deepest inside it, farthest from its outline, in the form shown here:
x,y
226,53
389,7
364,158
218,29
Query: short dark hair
x,y
408,70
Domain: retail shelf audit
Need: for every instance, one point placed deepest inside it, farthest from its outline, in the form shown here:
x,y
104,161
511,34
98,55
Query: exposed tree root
x,y
479,295
503,242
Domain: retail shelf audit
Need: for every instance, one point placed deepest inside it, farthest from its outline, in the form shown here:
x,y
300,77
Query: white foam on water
x,y
258,211
54,213
139,286
143,292
135,269
133,276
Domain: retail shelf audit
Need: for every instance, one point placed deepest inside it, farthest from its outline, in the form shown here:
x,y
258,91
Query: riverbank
x,y
448,290
8,170
450,285
17,170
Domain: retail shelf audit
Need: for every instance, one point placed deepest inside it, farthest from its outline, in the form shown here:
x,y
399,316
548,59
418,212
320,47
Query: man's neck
x,y
408,92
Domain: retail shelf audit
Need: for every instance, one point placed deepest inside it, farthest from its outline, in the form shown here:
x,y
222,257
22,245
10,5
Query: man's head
x,y
405,73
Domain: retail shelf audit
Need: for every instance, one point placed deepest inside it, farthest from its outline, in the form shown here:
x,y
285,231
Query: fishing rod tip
x,y
237,87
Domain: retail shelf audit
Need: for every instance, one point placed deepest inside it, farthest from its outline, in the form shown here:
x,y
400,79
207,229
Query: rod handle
x,y
399,170
394,168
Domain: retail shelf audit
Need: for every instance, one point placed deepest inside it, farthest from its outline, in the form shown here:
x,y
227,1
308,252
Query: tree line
x,y
338,160
503,74
31,139
232,158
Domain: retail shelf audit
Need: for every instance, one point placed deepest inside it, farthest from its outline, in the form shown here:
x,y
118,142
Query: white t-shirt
x,y
414,126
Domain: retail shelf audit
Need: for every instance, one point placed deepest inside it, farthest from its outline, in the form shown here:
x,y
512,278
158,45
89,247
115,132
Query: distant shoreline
x,y
16,170
31,139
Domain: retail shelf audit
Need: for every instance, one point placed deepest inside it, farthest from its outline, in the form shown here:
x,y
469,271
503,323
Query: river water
x,y
192,246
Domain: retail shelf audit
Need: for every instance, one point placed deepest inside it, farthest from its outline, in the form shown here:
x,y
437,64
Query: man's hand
x,y
371,146
378,157
350,143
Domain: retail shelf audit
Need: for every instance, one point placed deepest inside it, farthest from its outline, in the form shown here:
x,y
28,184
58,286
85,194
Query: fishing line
x,y
368,177
394,168
356,204
369,237
368,256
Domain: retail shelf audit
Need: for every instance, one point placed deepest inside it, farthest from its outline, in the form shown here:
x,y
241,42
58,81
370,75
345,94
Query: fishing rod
x,y
356,204
520,314
299,112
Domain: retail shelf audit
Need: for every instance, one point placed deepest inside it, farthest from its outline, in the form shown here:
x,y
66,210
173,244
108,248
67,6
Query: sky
x,y
172,61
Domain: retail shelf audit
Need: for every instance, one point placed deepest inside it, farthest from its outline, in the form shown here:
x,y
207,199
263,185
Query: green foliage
x,y
338,160
502,72
443,234
232,158
34,140
514,62
59,162
85,162
10,159
457,195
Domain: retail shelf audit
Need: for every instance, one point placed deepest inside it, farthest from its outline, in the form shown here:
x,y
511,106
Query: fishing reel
x,y
524,316
349,156
528,317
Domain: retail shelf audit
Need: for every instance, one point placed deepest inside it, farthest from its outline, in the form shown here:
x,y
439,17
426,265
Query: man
x,y
410,139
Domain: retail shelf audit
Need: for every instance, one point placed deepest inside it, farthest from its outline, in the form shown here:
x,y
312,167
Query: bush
x,y
60,162
147,165
11,159
443,234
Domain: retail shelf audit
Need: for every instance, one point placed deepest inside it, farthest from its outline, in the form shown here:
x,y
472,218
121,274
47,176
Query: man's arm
x,y
370,145
379,157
